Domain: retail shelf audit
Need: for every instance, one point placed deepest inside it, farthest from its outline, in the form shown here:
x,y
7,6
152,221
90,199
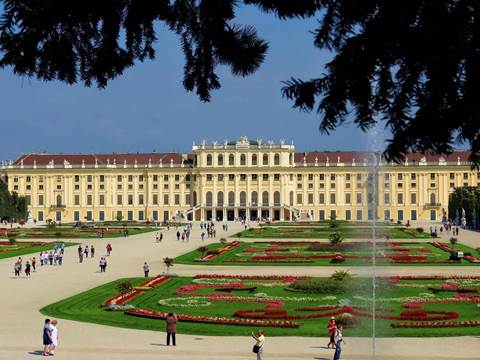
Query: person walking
x,y
178,235
80,253
146,269
54,336
92,251
339,342
86,251
109,249
260,342
171,328
47,338
27,269
17,268
102,264
332,327
34,263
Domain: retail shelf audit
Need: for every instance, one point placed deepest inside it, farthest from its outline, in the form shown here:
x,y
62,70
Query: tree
x,y
335,238
333,223
12,206
119,217
393,61
168,263
453,241
202,249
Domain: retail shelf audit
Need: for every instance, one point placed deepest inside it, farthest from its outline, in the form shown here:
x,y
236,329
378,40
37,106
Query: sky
x,y
147,109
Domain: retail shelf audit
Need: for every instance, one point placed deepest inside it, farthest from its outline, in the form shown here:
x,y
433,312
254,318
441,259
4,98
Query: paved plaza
x,y
22,299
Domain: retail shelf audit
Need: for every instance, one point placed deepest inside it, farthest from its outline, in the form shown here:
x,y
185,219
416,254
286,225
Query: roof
x,y
349,157
43,159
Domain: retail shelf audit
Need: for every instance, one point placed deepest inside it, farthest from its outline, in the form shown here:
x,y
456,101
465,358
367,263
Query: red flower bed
x,y
212,320
407,258
156,281
121,299
221,250
412,305
252,277
435,324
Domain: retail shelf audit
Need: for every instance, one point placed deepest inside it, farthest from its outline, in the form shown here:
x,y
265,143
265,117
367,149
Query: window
x,y
220,160
254,198
299,198
40,200
155,186
130,215
465,176
119,199
310,198
359,177
243,160
265,200
165,199
101,199
321,198
359,214
243,177
359,198
432,198
400,177
433,215
177,199
59,187
452,185
89,186
332,185
231,160
101,216
399,198
432,176
165,186
29,187
276,198
231,177
348,199
265,177
265,159
165,178
130,178
386,177
347,177
452,176
400,215
187,199
413,198
130,199
386,215
102,178
209,160
386,198
177,178
333,198
321,215
76,216
231,198
40,179
155,199
414,177
220,177
299,185
400,185
140,199
276,159
155,177
40,216
254,159
413,185
208,198
119,178
321,177
89,199
141,215
40,187
209,177
89,178
348,215
413,214
332,177
187,177
220,198
243,198
333,214
276,177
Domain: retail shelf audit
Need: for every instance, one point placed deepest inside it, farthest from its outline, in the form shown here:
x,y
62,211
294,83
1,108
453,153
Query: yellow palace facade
x,y
241,178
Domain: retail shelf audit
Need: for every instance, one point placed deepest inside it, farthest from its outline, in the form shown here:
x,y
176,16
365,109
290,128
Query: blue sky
x,y
148,109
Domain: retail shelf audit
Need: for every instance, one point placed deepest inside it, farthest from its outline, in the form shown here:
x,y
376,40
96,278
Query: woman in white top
x,y
260,341
54,336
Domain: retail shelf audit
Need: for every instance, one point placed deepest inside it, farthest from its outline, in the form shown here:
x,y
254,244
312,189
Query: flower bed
x,y
220,251
435,324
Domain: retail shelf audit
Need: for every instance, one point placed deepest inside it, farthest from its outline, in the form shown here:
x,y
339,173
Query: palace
x,y
242,178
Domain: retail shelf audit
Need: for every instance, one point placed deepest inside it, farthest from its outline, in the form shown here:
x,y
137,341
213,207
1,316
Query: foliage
x,y
124,287
11,239
119,217
12,205
202,249
468,199
346,320
453,241
335,238
319,286
419,229
223,240
341,275
333,223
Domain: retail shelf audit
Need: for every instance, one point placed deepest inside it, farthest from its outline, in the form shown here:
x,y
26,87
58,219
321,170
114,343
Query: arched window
x,y
276,159
220,198
209,160
243,198
194,198
59,200
254,198
265,198
231,198
433,199
291,198
243,160
254,159
208,198
231,160
291,159
220,160
265,159
276,198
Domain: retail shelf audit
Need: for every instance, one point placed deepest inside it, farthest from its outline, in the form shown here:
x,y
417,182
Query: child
x,y
332,327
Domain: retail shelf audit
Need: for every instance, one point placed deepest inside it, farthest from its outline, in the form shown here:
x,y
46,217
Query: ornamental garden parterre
x,y
284,305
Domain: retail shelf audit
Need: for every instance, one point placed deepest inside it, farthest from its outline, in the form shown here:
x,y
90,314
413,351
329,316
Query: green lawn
x,y
86,307
298,253
77,233
316,232
22,248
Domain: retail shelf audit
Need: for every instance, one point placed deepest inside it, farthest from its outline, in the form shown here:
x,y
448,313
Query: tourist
x,y
338,342
86,251
157,237
17,268
332,327
171,328
260,342
103,264
109,249
92,251
146,269
60,258
54,336
27,269
203,235
50,257
80,253
34,263
161,237
178,235
47,338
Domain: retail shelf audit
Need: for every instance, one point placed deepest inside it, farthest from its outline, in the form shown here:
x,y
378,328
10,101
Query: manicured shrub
x,y
346,320
319,286
335,238
419,229
341,275
124,287
338,259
